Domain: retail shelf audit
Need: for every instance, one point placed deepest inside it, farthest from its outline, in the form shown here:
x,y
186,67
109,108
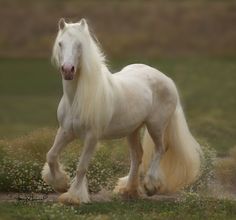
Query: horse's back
x,y
162,88
146,75
142,71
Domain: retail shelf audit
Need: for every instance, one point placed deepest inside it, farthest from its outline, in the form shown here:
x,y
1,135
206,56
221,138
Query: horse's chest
x,y
70,122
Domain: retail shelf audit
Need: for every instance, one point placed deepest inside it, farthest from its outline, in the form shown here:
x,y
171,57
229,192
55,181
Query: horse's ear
x,y
83,23
61,24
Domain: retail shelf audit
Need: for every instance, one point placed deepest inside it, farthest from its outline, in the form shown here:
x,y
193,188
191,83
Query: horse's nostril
x,y
72,69
62,68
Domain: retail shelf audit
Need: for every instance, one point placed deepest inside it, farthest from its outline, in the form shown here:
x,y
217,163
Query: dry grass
x,y
32,146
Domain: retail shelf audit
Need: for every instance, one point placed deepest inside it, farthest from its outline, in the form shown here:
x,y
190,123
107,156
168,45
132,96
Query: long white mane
x,y
93,97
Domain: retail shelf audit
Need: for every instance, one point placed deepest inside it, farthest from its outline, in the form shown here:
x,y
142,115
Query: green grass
x,y
30,91
191,208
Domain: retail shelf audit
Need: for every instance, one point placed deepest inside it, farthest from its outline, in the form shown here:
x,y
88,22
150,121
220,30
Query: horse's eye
x,y
60,44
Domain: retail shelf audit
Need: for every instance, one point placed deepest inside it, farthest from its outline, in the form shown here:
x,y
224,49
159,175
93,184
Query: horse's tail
x,y
180,164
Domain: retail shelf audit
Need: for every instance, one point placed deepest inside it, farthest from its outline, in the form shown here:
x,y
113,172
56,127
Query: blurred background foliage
x,y
134,28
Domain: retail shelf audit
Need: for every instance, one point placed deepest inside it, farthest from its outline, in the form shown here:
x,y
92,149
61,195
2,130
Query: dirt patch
x,y
217,191
102,196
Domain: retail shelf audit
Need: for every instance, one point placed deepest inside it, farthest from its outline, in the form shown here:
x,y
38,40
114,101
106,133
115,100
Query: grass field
x,y
29,93
192,209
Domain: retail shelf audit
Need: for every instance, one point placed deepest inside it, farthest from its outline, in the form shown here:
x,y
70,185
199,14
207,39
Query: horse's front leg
x,y
78,192
53,173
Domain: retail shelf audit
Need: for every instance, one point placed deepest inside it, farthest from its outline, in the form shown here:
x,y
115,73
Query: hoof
x,y
59,182
128,194
122,182
150,191
68,199
152,186
61,188
63,184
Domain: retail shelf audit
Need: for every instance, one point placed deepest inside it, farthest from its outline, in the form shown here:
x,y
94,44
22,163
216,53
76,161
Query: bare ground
x,y
102,196
218,191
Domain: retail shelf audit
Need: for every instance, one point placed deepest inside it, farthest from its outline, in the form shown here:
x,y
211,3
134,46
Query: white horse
x,y
99,105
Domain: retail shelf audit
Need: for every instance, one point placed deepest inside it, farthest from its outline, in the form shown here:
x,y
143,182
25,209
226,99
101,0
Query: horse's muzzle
x,y
68,76
68,71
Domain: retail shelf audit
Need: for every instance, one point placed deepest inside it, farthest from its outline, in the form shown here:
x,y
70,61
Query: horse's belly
x,y
127,120
120,130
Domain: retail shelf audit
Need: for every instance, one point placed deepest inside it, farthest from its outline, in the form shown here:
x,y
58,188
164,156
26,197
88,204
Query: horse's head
x,y
68,47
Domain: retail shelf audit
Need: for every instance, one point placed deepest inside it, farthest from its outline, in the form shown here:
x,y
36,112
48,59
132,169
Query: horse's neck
x,y
70,88
93,99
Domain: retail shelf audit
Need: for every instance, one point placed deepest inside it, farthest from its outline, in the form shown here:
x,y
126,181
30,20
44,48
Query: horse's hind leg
x,y
128,186
153,179
53,173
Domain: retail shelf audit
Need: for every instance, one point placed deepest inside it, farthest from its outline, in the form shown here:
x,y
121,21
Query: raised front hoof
x,y
59,182
68,199
61,189
62,185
